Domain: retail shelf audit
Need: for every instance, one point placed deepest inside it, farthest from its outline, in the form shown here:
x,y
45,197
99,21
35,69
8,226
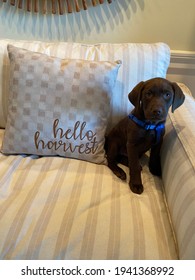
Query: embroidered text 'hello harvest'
x,y
63,139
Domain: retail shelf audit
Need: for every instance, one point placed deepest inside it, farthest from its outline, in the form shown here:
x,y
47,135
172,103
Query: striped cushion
x,y
178,164
55,208
139,62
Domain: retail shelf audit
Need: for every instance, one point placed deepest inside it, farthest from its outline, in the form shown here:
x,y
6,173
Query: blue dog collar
x,y
157,127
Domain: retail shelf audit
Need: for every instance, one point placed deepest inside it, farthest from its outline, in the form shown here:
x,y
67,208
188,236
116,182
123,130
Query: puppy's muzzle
x,y
157,113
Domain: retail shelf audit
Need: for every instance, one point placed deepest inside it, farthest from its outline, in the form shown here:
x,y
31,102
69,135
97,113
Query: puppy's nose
x,y
157,112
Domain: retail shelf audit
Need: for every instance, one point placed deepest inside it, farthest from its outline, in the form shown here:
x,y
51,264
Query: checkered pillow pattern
x,y
58,106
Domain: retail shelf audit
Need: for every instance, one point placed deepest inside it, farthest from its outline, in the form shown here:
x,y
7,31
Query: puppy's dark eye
x,y
167,94
148,94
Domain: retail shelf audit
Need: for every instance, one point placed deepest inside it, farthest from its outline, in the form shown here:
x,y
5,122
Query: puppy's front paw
x,y
136,188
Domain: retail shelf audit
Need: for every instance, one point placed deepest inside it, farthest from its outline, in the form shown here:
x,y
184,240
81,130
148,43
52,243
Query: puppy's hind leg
x,y
123,160
112,151
117,170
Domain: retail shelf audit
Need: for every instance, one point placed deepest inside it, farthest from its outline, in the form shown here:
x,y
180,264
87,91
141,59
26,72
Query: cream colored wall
x,y
170,21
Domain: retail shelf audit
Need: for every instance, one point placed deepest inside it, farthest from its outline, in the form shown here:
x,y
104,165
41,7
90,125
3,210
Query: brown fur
x,y
127,141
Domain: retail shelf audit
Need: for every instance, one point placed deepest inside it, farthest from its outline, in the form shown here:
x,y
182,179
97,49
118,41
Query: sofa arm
x,y
178,173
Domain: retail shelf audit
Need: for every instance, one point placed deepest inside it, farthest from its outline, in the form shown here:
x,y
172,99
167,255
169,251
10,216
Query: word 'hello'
x,y
62,139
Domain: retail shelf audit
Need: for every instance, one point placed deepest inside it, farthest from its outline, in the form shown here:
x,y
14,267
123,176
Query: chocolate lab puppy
x,y
143,129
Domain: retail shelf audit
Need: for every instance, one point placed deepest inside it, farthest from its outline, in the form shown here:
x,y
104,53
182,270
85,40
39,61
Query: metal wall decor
x,y
54,6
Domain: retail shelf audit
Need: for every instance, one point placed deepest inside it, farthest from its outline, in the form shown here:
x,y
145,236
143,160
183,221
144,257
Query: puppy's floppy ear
x,y
178,97
135,94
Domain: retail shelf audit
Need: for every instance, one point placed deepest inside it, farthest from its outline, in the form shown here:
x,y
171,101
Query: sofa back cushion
x,y
139,62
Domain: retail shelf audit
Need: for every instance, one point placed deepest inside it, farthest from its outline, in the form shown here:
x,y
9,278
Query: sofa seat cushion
x,y
58,208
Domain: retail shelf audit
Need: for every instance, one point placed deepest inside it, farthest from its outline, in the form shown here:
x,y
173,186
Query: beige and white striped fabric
x,y
178,164
139,62
55,208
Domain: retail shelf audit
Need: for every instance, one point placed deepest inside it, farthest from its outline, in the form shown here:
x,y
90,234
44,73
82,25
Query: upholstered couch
x,y
58,198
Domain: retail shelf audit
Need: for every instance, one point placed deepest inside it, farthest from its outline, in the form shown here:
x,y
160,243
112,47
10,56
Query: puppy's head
x,y
153,98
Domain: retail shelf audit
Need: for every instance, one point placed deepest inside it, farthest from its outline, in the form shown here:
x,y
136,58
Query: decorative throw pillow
x,y
58,106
